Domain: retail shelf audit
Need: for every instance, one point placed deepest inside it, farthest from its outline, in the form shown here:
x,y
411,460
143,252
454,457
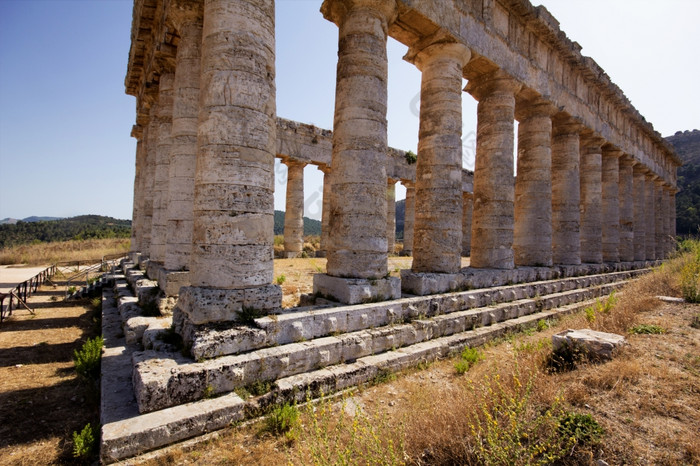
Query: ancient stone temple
x,y
591,206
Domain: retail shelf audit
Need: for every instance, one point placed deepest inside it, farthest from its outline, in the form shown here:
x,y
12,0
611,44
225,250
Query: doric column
x,y
231,267
626,200
659,214
672,214
467,207
640,222
162,169
183,147
611,204
357,242
591,200
137,212
650,215
532,242
494,184
566,194
668,238
437,236
148,180
390,215
294,211
408,219
326,210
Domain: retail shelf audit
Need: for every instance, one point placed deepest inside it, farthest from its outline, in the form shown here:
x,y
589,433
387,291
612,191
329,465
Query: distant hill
x,y
687,145
81,227
311,227
13,221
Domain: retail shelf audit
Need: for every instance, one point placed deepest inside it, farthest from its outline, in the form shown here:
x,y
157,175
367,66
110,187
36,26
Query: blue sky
x,y
65,121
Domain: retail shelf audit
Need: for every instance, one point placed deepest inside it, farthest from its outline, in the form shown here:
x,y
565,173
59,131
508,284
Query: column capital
x,y
563,123
293,163
612,151
495,81
591,142
137,132
183,12
408,184
537,107
336,11
627,160
422,54
326,169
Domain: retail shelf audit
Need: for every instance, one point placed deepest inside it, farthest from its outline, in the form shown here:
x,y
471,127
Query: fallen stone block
x,y
594,345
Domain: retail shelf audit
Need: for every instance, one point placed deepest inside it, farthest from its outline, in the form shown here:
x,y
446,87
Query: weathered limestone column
x,y
672,213
611,204
149,176
494,184
566,194
390,215
409,218
137,212
626,202
357,246
183,147
640,223
162,169
659,214
294,210
437,233
668,239
649,208
232,267
326,210
467,206
591,200
532,242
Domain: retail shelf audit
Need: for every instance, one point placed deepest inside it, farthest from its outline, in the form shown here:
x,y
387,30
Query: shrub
x,y
87,359
647,329
283,420
411,158
690,277
580,428
83,442
280,279
468,358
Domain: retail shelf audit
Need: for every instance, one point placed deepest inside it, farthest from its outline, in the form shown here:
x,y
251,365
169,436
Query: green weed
x,y
87,359
84,442
468,358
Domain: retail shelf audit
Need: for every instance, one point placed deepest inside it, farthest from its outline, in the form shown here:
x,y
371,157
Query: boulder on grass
x,y
591,344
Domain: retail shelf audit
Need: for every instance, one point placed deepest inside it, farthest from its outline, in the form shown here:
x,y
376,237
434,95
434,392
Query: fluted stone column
x,y
294,211
232,267
659,214
326,210
149,176
566,194
137,210
591,200
650,215
390,215
668,239
357,246
162,168
626,202
672,213
409,218
532,242
611,204
494,184
467,206
640,223
437,233
183,148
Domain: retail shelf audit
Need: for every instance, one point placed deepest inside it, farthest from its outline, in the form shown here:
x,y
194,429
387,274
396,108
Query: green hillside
x,y
687,145
311,227
78,228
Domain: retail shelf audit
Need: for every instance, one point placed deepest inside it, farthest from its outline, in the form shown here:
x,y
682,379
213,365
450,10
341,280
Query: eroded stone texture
x,y
595,345
409,218
137,215
566,194
467,206
437,230
357,246
659,214
390,215
611,204
149,176
626,202
494,184
162,169
183,147
650,216
591,199
294,210
326,210
640,223
532,242
233,204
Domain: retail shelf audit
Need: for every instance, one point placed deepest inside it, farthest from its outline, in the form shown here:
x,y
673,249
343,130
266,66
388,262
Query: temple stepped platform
x,y
153,395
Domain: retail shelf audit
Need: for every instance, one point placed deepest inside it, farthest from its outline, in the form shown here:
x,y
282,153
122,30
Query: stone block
x,y
170,281
595,345
357,290
205,305
423,283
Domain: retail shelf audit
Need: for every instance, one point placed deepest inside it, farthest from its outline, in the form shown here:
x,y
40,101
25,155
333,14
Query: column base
x,y
169,281
134,257
291,254
425,283
357,290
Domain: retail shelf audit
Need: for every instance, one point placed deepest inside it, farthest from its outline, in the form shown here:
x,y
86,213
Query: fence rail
x,y
18,295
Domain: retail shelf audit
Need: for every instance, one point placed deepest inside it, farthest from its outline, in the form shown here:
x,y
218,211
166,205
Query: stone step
x,y
161,381
131,434
208,341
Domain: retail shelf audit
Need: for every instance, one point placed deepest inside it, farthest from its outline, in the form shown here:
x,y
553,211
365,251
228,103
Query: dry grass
x,y
51,253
